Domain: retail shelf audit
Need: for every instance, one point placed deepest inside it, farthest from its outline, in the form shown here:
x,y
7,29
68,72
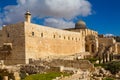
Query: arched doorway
x,y
93,48
86,48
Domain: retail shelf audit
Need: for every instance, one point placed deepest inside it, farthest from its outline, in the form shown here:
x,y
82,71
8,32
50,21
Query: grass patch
x,y
113,67
47,76
102,65
92,60
108,78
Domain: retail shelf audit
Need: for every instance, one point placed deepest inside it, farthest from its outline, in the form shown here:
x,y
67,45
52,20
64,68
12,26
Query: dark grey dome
x,y
80,25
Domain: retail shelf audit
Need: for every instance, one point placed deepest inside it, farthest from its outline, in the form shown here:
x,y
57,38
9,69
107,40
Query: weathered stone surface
x,y
24,41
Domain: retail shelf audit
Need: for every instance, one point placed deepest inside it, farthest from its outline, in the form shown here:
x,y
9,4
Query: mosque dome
x,y
80,25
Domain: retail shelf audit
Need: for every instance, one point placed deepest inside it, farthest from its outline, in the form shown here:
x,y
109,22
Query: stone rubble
x,y
86,71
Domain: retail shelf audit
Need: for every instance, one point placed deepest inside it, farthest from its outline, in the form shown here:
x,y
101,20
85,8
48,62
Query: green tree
x,y
113,67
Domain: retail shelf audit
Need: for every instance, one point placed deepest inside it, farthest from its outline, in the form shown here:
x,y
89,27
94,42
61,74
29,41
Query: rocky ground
x,y
79,69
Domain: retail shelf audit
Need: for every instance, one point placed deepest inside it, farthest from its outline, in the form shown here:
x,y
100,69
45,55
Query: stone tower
x,y
28,17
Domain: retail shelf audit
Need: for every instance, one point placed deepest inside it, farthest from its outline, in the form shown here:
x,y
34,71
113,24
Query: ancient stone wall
x,y
14,35
107,41
110,42
84,31
76,64
90,39
118,47
43,41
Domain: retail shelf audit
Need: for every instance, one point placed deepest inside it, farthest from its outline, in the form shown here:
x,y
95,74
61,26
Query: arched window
x,y
93,48
87,48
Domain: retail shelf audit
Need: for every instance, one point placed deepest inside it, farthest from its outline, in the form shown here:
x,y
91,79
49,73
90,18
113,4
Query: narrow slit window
x,y
72,38
8,35
68,38
41,34
60,36
64,37
54,36
76,39
33,34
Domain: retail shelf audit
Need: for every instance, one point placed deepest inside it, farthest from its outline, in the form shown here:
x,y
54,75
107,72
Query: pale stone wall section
x,y
32,41
43,41
86,33
109,42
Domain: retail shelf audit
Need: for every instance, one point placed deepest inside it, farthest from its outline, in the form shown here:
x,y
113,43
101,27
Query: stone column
x,y
99,60
90,49
61,68
16,76
5,78
106,56
103,57
2,64
110,57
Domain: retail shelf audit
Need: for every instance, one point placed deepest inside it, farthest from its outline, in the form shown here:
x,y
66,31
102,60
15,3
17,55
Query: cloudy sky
x,y
100,15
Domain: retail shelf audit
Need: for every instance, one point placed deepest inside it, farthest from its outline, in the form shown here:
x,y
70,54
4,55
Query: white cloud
x,y
67,9
109,35
1,19
58,23
0,22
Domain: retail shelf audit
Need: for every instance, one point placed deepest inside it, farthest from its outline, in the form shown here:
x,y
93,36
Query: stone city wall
x,y
107,41
43,41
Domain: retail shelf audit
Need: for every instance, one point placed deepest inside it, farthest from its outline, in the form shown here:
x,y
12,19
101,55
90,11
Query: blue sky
x,y
100,15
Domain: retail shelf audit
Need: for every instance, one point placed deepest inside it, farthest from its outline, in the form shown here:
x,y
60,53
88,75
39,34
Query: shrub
x,y
102,65
113,67
92,60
